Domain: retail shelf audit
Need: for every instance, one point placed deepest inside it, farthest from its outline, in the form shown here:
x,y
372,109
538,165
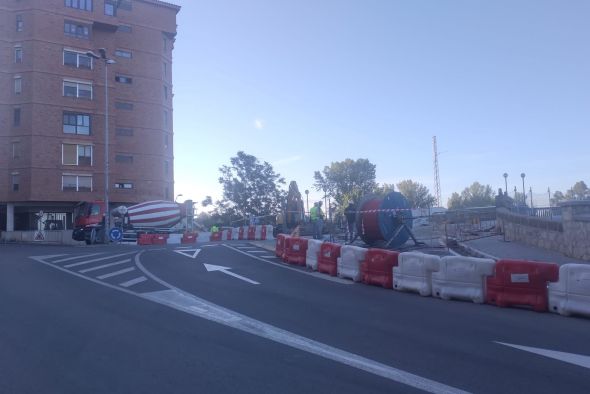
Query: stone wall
x,y
571,236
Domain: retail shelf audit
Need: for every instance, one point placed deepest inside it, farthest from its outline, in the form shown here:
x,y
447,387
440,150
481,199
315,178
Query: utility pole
x,y
437,192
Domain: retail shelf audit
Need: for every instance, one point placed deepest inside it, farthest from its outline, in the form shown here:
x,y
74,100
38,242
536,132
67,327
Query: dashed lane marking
x,y
120,272
132,282
98,259
104,266
76,257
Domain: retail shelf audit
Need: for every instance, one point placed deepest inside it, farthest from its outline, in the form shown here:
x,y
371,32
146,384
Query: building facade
x,y
52,106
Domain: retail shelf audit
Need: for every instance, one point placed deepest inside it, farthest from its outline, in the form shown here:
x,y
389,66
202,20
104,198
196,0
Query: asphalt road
x,y
125,319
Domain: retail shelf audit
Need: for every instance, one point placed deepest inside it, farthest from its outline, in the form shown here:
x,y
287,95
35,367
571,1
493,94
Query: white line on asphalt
x,y
132,282
227,317
99,259
572,358
49,256
269,257
120,272
314,274
258,251
75,257
105,266
188,303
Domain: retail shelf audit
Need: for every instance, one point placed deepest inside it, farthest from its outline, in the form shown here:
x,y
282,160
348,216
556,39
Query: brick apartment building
x,y
52,106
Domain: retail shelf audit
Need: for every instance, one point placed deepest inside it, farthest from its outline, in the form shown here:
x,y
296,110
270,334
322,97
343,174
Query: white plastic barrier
x,y
258,233
234,233
311,257
269,231
349,262
224,234
414,272
174,239
571,294
462,278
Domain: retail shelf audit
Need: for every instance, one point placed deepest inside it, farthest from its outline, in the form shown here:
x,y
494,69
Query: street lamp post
x,y
523,192
176,198
107,62
307,200
531,192
506,183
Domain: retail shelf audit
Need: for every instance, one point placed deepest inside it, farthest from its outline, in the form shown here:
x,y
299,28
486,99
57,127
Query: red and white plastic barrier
x,y
462,278
519,282
570,295
414,272
377,268
349,262
280,245
295,250
327,258
311,257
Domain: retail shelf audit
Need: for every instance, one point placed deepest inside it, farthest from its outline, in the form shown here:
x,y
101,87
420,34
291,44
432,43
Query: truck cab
x,y
88,220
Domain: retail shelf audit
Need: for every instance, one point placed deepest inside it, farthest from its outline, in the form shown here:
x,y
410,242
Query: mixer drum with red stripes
x,y
380,220
153,214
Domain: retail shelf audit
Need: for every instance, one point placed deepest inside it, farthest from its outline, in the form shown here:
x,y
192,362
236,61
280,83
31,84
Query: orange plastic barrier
x,y
251,233
216,236
280,245
145,239
520,282
328,258
295,250
189,238
241,233
377,268
159,239
263,233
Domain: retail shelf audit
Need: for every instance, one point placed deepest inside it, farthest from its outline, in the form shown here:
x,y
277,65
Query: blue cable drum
x,y
394,211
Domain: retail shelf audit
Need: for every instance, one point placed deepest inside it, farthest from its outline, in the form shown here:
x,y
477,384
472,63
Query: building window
x,y
19,22
165,140
77,59
110,7
167,193
121,158
124,105
165,118
165,92
76,183
85,5
165,69
18,85
166,164
125,5
18,54
77,30
165,44
76,155
123,53
15,181
123,185
15,150
124,131
124,79
77,89
76,123
124,28
16,117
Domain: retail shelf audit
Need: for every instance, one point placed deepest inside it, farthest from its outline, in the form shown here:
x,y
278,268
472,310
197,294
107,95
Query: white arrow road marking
x,y
225,270
576,359
192,253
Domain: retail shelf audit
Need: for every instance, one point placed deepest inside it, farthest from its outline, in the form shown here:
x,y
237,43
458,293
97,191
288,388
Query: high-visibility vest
x,y
313,213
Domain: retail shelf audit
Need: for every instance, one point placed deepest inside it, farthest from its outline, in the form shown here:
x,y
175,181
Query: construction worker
x,y
214,229
317,219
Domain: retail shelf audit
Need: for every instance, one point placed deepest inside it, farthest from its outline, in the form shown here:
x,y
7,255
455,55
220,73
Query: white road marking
x,y
314,274
258,251
572,358
104,266
120,272
269,257
75,257
49,256
98,259
209,311
132,282
192,253
188,303
225,270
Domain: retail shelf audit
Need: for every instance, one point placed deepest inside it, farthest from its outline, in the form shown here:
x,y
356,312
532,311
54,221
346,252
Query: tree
x,y
557,197
578,192
476,195
384,189
346,180
416,193
207,201
250,187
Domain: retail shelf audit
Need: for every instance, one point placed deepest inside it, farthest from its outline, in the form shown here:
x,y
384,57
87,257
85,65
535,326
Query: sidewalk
x,y
498,249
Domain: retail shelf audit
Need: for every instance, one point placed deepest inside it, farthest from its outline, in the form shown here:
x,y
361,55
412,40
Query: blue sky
x,y
504,85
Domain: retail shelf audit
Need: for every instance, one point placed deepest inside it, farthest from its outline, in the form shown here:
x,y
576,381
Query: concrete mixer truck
x,y
148,217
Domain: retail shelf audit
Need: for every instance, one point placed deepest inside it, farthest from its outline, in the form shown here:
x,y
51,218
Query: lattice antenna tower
x,y
436,175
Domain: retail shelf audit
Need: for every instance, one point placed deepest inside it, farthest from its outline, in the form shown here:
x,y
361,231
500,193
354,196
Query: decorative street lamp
x,y
307,200
505,183
531,192
107,62
176,198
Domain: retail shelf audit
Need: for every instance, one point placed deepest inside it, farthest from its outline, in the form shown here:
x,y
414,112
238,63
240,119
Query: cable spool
x,y
380,221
